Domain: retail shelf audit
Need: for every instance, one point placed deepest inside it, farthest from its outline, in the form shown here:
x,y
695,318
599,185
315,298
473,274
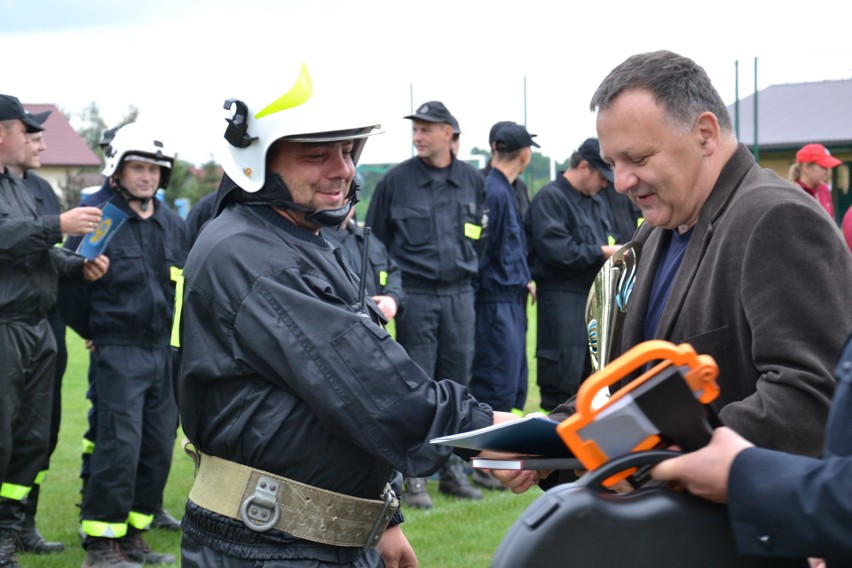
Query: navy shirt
x,y
503,268
663,281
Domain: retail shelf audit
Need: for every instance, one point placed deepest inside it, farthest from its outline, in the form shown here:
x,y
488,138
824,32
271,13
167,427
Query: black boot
x,y
164,520
8,559
138,550
414,493
453,481
30,540
105,553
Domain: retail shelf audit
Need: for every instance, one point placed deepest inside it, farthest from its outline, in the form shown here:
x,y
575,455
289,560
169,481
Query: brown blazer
x,y
765,288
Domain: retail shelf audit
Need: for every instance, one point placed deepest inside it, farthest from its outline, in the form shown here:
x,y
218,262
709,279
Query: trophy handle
x,y
607,303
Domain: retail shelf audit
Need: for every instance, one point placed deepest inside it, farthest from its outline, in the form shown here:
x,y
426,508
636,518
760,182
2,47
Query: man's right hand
x,y
518,481
79,221
609,250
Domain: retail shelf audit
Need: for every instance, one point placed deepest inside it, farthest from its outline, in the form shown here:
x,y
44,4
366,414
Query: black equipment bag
x,y
582,524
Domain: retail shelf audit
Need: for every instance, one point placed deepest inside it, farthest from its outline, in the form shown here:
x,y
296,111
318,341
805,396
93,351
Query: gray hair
x,y
678,84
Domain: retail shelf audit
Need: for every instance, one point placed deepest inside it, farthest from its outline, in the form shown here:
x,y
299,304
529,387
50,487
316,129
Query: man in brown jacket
x,y
723,266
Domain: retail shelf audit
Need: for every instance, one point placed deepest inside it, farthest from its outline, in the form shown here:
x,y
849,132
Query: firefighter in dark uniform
x,y
297,402
128,317
569,236
30,266
46,202
624,214
500,365
519,186
430,213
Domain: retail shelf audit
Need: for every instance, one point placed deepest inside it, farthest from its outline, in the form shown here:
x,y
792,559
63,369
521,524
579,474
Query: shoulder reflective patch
x,y
298,94
472,231
176,274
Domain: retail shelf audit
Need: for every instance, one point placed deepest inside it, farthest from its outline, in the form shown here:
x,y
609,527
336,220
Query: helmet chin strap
x,y
321,217
143,201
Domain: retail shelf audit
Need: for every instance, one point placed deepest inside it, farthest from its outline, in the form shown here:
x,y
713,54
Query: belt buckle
x,y
383,518
260,511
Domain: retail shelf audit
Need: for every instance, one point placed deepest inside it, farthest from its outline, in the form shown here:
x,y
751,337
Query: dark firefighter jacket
x,y
133,303
29,263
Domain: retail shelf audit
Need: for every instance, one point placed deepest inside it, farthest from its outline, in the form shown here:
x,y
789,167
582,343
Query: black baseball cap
x,y
455,124
40,118
590,150
492,134
433,111
513,137
11,107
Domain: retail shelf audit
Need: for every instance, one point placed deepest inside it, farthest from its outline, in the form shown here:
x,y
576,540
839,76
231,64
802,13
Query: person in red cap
x,y
813,162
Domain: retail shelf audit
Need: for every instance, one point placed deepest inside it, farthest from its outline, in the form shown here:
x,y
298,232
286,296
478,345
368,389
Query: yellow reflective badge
x,y
176,274
472,231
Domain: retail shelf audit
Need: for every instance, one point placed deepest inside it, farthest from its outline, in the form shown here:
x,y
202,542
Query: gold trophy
x,y
607,304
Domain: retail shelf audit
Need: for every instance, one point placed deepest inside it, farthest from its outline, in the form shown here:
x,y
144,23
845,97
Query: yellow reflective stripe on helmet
x,y
176,275
298,94
139,521
16,492
40,477
104,530
88,447
383,277
472,231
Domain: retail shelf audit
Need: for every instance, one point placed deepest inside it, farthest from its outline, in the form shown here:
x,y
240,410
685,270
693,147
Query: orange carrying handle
x,y
700,377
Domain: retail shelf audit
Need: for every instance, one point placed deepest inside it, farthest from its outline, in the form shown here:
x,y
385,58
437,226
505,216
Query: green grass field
x,y
454,533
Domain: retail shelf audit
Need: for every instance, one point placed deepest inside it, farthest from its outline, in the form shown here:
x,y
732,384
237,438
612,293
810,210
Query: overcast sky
x,y
178,60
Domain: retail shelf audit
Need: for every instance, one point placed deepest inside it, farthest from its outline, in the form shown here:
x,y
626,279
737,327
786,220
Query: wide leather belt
x,y
263,501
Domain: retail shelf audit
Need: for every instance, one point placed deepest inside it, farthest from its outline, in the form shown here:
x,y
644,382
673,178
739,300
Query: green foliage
x,y
193,183
93,124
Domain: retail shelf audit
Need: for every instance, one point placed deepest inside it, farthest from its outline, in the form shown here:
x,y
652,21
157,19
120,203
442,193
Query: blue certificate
x,y
95,243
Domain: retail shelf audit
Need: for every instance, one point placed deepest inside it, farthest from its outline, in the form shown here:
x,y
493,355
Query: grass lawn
x,y
454,533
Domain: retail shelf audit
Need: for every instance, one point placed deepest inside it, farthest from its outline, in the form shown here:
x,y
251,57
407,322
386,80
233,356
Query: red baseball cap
x,y
818,154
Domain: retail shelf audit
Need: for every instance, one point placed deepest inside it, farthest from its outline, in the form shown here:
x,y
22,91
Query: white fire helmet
x,y
299,106
135,141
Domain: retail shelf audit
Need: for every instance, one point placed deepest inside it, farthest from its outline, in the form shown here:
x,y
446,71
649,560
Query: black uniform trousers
x,y
195,555
562,348
135,433
437,329
27,359
58,328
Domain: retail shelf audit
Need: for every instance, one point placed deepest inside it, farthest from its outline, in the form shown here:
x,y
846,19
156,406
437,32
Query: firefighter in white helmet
x,y
127,316
297,402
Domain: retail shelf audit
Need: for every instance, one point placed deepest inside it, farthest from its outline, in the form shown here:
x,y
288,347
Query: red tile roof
x,y
64,146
